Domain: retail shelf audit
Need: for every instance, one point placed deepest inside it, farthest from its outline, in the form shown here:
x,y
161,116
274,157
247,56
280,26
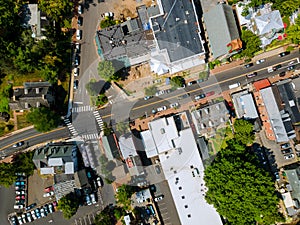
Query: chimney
x,y
38,104
25,91
14,98
43,96
26,105
37,90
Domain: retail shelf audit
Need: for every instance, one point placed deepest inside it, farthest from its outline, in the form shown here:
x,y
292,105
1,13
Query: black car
x,y
77,59
76,84
30,206
80,21
287,151
283,54
282,74
277,67
19,144
252,75
248,65
285,145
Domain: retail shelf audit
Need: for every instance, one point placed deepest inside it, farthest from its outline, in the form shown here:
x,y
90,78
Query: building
x,y
289,100
279,118
127,42
32,94
35,19
130,155
110,146
209,118
223,36
58,158
172,140
177,37
244,105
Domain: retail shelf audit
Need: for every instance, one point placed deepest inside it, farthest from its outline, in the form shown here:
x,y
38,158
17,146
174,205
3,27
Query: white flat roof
x,y
149,144
69,168
55,162
163,132
184,172
127,146
47,170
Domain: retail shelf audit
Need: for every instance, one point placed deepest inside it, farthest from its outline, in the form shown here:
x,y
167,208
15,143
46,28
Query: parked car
x,y
51,208
20,188
24,218
37,213
13,220
290,156
287,151
198,97
277,177
174,105
163,108
200,81
33,215
153,111
77,60
42,212
191,83
29,218
19,183
20,192
88,200
80,9
45,207
93,198
76,71
252,74
260,61
248,65
31,206
78,35
99,181
282,54
19,197
80,21
183,96
48,194
18,206
282,74
285,145
291,68
210,93
147,97
158,198
161,92
77,47
20,202
157,169
19,144
20,220
270,69
76,84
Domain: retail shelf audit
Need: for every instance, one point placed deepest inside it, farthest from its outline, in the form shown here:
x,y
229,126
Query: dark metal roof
x,y
177,30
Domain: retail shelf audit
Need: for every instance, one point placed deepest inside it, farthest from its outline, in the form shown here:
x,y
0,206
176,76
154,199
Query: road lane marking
x,y
33,136
201,88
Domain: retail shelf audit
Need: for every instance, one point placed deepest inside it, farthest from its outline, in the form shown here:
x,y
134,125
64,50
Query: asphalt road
x,y
122,110
32,137
7,196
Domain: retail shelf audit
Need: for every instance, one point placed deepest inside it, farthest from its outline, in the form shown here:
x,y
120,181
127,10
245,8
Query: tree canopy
x,y
238,187
150,91
123,196
43,119
68,205
177,81
293,32
243,131
251,43
57,10
106,70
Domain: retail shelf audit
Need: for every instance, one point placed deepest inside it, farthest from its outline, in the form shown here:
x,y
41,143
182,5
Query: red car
x,y
20,197
210,93
48,189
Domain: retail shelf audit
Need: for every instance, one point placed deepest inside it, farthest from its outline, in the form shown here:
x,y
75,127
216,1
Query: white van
x,y
78,34
231,86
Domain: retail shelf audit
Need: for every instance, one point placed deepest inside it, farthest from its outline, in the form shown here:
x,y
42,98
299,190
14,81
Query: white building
x,y
172,140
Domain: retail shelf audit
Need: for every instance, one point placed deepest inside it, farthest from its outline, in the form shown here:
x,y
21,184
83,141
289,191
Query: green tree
x,y
4,97
101,100
286,7
177,81
43,119
7,174
122,127
251,43
107,22
243,131
105,217
150,91
49,74
106,70
239,189
68,205
57,10
23,163
119,212
294,31
123,196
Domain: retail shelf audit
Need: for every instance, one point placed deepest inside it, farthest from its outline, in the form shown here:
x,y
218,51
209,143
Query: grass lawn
x,y
22,122
6,127
219,140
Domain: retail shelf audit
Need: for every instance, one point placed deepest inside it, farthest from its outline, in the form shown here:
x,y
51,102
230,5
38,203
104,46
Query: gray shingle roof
x,y
221,28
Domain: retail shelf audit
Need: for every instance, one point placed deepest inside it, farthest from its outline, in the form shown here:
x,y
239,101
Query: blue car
x,y
19,183
37,213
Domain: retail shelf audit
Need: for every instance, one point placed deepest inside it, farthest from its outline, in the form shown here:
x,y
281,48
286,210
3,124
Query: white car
x,y
260,61
33,215
80,10
78,34
20,220
18,206
158,198
99,182
48,194
290,156
76,71
93,198
270,69
29,218
20,192
161,108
